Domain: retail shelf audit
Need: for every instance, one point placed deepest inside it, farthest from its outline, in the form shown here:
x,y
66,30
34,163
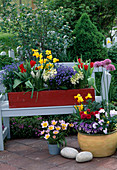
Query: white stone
x,y
69,152
3,53
84,156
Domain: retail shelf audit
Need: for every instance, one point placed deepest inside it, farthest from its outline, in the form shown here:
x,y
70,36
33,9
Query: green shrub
x,y
112,53
7,41
88,42
5,60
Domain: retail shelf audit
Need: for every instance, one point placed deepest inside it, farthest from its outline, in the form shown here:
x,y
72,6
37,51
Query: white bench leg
x,y
1,134
7,124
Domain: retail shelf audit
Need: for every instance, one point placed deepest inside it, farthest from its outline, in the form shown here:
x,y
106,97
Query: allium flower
x,y
110,67
97,64
107,61
102,63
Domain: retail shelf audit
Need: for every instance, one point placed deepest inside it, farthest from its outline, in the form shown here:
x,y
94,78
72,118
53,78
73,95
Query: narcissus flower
x,y
88,96
78,95
80,99
48,52
55,60
49,57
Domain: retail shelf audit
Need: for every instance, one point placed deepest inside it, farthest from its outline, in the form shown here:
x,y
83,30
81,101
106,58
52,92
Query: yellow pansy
x,y
88,96
71,125
107,122
49,57
48,52
55,60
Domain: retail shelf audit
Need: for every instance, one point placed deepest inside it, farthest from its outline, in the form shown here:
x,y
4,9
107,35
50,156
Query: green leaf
x,y
29,84
16,83
91,82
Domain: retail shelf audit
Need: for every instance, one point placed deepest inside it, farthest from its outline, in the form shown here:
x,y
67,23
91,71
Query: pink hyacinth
x,y
107,61
110,67
97,64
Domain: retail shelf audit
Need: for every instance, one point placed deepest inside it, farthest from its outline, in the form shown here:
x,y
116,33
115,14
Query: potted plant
x,y
97,129
39,83
54,133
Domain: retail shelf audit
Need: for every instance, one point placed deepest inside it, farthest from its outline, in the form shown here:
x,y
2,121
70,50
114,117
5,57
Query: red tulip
x,y
23,70
36,68
86,67
32,63
81,65
79,60
21,66
91,64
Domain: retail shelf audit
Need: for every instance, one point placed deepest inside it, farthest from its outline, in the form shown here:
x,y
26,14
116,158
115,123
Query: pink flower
x,y
107,61
97,64
102,63
110,67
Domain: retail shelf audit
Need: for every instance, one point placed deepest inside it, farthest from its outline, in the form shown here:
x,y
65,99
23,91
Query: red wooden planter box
x,y
47,98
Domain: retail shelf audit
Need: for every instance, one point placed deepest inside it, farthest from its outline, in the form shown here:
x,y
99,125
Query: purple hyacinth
x,y
110,67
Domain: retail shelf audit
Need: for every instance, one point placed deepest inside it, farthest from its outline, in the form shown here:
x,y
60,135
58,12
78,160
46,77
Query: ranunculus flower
x,y
92,113
96,112
83,116
88,110
32,63
81,65
91,64
81,112
86,67
88,116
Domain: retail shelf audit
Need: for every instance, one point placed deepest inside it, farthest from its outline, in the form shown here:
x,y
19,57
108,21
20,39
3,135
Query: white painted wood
x,y
6,123
5,131
1,134
11,53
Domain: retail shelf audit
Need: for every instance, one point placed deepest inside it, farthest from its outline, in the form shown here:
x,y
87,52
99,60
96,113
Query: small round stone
x,y
69,152
84,156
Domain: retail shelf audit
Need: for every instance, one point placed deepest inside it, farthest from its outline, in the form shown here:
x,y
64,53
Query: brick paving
x,y
32,154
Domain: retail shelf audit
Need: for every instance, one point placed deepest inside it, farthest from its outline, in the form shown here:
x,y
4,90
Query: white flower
x,y
101,111
105,130
38,74
33,74
95,125
101,122
97,116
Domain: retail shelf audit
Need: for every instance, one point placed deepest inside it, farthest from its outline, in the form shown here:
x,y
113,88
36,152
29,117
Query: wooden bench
x,y
6,112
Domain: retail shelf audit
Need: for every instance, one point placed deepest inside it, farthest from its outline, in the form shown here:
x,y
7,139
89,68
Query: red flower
x,y
88,116
88,110
96,112
92,113
79,60
32,63
81,112
81,65
83,116
91,64
86,67
23,70
36,68
21,66
100,108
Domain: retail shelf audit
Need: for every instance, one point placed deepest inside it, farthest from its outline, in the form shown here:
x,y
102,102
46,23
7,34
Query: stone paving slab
x,y
32,154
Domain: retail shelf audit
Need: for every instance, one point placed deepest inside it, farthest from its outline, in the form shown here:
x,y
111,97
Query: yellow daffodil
x,y
36,54
34,50
80,107
48,52
45,60
80,100
49,57
75,107
40,67
55,60
41,61
78,95
108,41
107,122
88,96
